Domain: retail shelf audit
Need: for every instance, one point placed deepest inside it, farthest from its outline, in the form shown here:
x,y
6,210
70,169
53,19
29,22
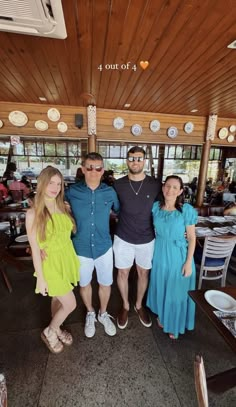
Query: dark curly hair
x,y
180,199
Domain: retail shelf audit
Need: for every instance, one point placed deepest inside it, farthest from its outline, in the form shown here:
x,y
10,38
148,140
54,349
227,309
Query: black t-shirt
x,y
135,218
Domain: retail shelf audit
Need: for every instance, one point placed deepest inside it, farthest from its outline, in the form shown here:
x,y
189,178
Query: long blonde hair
x,y
42,214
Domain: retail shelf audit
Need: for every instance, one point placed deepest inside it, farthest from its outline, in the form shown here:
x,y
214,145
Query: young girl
x,y
173,271
49,226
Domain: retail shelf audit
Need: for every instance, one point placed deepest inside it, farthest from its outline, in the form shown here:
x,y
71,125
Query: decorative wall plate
x,y
188,127
53,114
62,127
155,125
1,124
232,128
230,138
118,123
136,130
18,118
172,132
41,125
223,133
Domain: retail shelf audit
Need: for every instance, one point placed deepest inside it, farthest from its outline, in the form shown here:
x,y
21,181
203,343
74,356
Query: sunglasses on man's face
x,y
97,168
132,159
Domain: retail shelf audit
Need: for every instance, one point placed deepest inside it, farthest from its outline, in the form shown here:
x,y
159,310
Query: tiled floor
x,y
138,367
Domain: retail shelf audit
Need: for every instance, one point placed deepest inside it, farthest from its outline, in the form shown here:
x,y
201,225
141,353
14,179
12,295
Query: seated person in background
x,y
3,191
230,209
9,173
79,175
26,181
108,178
19,186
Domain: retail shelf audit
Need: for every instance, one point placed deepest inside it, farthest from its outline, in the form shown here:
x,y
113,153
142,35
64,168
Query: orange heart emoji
x,y
144,64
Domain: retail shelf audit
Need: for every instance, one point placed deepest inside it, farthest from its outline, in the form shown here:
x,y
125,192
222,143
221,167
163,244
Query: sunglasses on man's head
x,y
132,159
97,168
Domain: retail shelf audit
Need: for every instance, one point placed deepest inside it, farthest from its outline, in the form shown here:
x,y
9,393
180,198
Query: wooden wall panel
x,y
39,112
223,122
105,129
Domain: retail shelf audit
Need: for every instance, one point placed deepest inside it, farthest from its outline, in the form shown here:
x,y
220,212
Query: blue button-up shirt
x,y
91,210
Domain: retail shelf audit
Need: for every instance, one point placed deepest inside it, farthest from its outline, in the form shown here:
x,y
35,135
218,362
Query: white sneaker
x,y
89,328
105,320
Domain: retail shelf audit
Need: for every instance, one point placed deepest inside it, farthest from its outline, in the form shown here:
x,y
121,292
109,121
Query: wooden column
x,y
211,129
202,178
92,128
161,160
92,144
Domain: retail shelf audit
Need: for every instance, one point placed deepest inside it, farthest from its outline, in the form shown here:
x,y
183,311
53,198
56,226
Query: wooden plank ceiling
x,y
184,41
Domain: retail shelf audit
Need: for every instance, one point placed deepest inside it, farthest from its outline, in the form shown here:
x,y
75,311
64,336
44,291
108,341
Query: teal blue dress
x,y
168,289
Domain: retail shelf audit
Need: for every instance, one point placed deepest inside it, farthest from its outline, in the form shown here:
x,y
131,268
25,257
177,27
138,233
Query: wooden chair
x,y
200,381
215,259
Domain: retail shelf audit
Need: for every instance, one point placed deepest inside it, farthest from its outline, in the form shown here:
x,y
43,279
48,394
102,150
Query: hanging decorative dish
x,y
155,125
172,132
118,123
223,133
1,124
136,130
230,138
54,114
41,125
62,127
18,118
232,128
188,127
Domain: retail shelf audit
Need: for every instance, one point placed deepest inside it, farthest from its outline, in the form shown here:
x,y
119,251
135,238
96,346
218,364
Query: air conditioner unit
x,y
33,17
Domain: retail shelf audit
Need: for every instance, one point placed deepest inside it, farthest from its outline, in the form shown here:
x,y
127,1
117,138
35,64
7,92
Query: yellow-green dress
x,y
61,266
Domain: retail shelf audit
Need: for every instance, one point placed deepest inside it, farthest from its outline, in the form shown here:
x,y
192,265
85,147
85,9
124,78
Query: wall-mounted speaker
x,y
79,120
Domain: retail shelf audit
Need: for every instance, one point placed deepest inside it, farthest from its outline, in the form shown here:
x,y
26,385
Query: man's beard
x,y
137,171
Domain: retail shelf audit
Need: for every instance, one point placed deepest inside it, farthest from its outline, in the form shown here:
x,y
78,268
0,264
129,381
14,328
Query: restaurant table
x,y
225,380
7,211
12,253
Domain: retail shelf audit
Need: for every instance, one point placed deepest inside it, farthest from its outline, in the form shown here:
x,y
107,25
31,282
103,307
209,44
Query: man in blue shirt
x,y
91,202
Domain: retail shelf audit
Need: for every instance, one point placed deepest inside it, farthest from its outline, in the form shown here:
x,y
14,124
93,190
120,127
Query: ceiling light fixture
x,y
42,99
232,45
127,105
194,110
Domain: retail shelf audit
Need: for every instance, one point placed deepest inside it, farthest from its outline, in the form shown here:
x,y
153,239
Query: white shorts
x,y
103,266
125,254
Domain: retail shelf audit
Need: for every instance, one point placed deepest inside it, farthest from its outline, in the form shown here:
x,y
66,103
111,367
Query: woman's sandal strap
x,y
65,337
51,341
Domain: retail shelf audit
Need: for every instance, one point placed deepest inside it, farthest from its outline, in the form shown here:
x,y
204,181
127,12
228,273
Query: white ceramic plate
x,y
232,128
118,123
62,127
223,133
1,124
53,114
14,205
41,125
188,127
21,239
4,225
18,118
230,138
221,301
172,132
136,130
155,126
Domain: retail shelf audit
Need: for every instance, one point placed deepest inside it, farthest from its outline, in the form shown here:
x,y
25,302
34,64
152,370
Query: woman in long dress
x,y
173,271
49,226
